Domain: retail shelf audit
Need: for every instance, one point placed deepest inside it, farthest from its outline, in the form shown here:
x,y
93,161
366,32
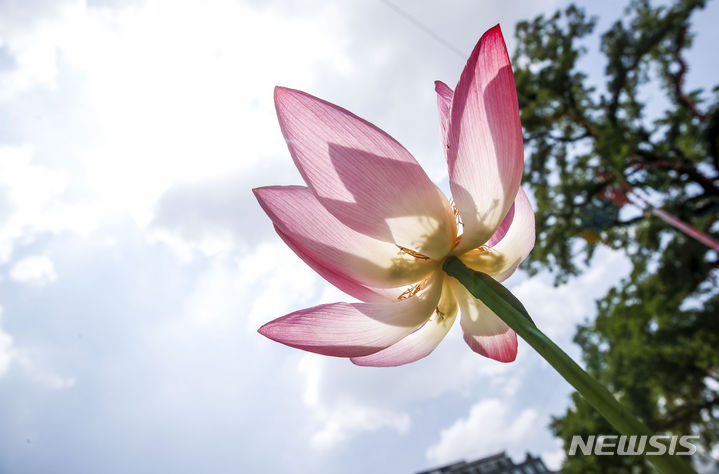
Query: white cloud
x,y
558,310
490,426
337,419
166,92
196,101
30,202
219,215
13,356
247,291
554,459
41,375
283,283
30,43
6,349
36,270
342,421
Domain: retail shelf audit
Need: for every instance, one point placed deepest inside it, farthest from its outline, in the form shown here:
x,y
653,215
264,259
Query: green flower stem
x,y
510,310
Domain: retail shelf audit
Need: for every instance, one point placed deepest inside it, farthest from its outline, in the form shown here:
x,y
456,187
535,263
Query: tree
x,y
655,340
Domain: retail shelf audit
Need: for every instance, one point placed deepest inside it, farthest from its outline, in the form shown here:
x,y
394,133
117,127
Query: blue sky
x,y
136,266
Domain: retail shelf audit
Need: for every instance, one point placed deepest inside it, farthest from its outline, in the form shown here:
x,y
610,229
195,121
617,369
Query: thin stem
x,y
503,303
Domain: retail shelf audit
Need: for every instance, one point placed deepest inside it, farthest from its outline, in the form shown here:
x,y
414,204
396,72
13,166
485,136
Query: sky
x,y
136,265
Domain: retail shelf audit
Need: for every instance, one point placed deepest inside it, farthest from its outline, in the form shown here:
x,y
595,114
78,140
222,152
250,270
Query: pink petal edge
x,y
485,154
518,240
484,332
354,329
502,229
502,348
444,102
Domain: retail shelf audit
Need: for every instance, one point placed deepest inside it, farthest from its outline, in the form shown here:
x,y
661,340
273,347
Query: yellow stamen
x,y
407,251
455,211
413,290
458,220
457,240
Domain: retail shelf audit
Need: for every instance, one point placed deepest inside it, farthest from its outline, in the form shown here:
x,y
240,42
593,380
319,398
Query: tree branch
x,y
644,159
685,413
629,222
576,117
679,79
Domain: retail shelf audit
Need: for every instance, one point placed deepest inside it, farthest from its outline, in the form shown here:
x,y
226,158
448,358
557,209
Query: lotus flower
x,y
373,224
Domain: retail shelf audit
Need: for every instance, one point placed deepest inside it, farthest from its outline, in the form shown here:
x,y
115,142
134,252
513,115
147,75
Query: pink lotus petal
x,y
501,276
511,243
519,239
420,343
349,286
319,236
444,102
363,176
355,329
485,153
502,229
485,333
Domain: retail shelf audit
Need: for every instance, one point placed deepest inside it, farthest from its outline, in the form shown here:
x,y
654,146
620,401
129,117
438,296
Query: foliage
x,y
655,341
